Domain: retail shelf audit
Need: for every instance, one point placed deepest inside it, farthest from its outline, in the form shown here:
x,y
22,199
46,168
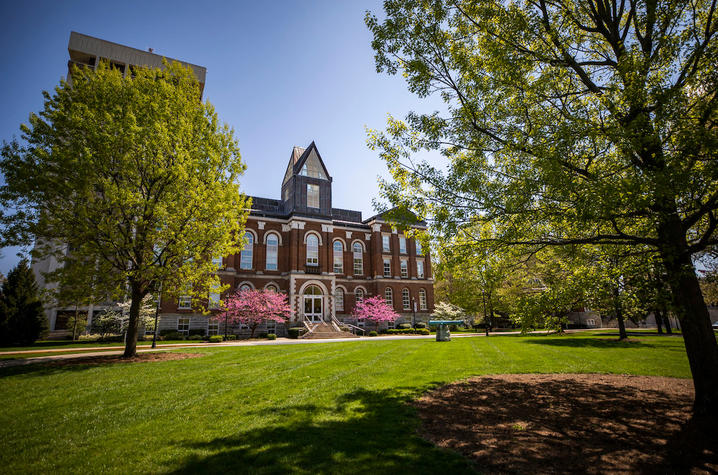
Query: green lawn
x,y
310,408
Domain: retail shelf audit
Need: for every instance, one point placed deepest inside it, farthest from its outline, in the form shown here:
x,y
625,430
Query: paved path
x,y
87,352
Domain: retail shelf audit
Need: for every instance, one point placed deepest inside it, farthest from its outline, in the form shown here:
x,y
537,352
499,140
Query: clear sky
x,y
280,73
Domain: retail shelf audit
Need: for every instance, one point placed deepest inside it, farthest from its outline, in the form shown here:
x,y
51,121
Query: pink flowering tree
x,y
375,309
252,307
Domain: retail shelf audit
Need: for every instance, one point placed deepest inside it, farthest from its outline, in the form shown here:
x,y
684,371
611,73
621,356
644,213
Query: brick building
x,y
325,259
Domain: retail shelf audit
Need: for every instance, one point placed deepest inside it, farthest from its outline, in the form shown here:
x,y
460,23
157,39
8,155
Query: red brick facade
x,y
292,224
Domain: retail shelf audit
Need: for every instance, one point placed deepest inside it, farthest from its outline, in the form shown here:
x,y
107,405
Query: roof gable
x,y
306,162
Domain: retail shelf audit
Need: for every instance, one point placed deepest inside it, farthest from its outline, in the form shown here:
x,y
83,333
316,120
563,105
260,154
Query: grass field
x,y
336,407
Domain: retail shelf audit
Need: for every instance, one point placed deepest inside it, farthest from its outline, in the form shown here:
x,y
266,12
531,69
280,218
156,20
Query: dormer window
x,y
312,196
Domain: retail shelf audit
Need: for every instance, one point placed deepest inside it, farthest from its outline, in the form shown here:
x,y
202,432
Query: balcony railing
x,y
309,269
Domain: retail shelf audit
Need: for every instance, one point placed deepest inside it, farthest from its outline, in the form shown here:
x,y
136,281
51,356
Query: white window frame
x,y
359,295
272,252
271,326
312,196
422,299
212,327
385,243
418,247
405,299
402,245
183,325
387,267
339,299
184,302
246,256
420,269
338,257
389,296
358,259
404,267
312,251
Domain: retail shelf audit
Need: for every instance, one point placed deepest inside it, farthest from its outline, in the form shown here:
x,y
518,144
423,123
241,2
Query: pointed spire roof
x,y
309,157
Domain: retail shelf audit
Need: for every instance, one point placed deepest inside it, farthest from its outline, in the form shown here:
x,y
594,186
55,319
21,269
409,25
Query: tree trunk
x,y
692,313
659,320
667,321
74,324
619,315
133,324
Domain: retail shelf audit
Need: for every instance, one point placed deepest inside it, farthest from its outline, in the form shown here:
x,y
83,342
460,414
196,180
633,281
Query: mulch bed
x,y
111,359
570,423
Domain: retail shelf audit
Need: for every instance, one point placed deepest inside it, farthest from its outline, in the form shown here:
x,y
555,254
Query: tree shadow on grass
x,y
590,342
364,432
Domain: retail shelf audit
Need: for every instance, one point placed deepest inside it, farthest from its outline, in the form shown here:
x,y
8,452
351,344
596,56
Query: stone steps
x,y
325,330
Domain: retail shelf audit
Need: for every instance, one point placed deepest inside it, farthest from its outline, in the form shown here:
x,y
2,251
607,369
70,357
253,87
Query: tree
x,y
448,311
22,320
252,307
375,309
134,176
107,323
566,123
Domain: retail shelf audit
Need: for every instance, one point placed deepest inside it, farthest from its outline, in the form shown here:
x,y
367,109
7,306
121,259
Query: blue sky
x,y
280,73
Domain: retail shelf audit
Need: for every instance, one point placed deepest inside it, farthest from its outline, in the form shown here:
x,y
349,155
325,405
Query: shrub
x,y
423,331
173,335
195,337
215,339
167,331
420,325
453,328
263,335
373,333
295,332
404,325
271,336
196,331
230,338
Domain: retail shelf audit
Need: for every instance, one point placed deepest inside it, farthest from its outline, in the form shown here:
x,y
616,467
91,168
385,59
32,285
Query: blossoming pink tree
x,y
252,307
375,309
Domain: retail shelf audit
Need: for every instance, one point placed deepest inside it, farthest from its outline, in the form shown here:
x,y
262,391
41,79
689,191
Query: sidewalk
x,y
86,352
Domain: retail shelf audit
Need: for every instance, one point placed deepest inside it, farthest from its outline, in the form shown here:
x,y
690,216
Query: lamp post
x,y
413,316
157,314
486,317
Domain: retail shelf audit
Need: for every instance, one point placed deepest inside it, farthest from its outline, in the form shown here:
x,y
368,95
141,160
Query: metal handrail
x,y
337,323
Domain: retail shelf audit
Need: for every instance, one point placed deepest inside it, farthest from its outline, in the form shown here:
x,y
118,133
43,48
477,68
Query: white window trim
x,y
404,268
384,266
184,302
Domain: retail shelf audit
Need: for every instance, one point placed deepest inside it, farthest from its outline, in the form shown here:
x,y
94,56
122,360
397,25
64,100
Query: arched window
x,y
358,259
244,287
405,299
339,299
312,250
272,288
389,296
338,257
272,251
359,295
422,299
245,261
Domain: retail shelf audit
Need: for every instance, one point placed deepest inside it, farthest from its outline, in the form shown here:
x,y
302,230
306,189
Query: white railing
x,y
337,325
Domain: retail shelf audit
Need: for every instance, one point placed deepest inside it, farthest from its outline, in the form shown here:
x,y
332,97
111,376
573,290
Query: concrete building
x,y
324,258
